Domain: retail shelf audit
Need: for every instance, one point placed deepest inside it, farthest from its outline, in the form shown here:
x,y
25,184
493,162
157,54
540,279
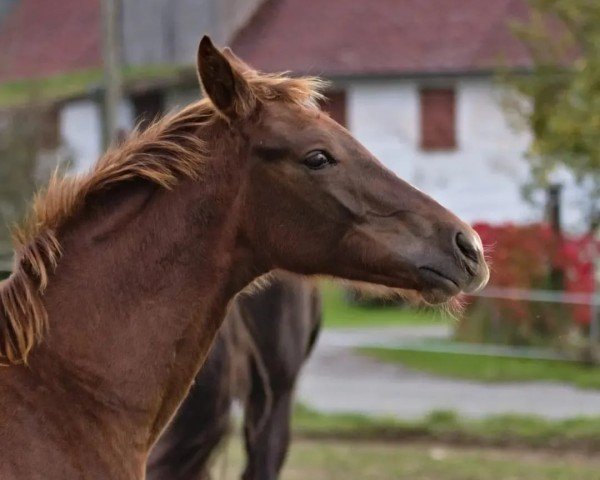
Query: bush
x,y
530,257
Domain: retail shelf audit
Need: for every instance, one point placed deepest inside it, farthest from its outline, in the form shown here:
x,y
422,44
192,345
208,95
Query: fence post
x,y
554,219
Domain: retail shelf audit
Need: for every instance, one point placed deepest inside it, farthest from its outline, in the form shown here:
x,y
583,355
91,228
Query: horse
x,y
256,358
122,276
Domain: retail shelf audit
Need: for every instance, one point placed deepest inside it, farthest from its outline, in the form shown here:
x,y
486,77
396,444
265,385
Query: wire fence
x,y
592,300
547,296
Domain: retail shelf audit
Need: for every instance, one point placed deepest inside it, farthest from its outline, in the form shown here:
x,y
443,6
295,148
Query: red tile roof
x,y
330,37
44,37
371,37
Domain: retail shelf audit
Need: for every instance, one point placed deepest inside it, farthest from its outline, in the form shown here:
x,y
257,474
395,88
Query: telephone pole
x,y
111,46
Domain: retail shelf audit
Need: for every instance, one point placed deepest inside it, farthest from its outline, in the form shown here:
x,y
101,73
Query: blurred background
x,y
492,107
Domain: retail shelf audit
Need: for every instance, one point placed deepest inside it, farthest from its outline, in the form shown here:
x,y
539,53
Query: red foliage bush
x,y
577,261
519,258
524,257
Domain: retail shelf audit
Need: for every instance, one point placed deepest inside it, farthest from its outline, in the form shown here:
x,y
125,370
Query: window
x,y
335,105
147,107
438,118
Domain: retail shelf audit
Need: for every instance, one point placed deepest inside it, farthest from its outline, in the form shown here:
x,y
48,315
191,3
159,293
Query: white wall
x,y
481,180
81,130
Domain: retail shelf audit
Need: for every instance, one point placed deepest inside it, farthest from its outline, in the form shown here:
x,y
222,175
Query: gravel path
x,y
337,380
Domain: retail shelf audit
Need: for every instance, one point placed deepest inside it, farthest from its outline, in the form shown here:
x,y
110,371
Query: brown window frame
x,y
438,118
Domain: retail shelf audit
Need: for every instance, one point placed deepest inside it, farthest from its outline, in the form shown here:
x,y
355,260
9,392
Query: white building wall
x,y
481,179
81,130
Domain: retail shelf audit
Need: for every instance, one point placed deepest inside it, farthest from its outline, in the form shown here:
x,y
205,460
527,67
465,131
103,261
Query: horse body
x,y
85,359
46,435
256,358
126,273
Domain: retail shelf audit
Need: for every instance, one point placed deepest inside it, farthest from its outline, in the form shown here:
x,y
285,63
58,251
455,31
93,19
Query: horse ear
x,y
223,83
236,61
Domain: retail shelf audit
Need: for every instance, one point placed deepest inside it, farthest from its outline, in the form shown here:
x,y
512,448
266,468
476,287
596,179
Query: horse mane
x,y
167,150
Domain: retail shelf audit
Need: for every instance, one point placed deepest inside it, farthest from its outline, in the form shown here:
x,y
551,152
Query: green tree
x,y
563,89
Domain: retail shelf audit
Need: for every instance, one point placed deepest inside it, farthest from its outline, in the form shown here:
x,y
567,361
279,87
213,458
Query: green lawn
x,y
343,460
337,312
488,368
578,434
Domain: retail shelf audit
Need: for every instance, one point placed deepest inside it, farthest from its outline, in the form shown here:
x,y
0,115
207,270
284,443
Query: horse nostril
x,y
467,248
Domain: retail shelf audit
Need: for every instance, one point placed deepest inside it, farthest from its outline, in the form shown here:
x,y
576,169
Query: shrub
x,y
530,257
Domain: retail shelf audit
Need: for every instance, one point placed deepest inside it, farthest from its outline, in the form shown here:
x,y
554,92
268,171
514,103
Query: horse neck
x,y
137,299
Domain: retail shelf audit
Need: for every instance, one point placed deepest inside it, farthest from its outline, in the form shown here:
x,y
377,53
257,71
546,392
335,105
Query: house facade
x,y
449,137
414,81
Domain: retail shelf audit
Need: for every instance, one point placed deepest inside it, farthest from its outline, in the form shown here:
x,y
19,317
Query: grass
x,y
55,87
579,434
342,460
337,312
484,368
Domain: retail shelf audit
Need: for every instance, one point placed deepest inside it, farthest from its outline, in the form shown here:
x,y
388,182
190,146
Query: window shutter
x,y
438,119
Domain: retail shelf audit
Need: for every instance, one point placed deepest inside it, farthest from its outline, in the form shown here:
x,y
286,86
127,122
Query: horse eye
x,y
318,159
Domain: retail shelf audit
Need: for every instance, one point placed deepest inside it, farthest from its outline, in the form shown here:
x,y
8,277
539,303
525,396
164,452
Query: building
x,y
414,80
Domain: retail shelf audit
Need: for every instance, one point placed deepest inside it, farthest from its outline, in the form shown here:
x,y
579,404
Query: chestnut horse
x,y
256,358
123,275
